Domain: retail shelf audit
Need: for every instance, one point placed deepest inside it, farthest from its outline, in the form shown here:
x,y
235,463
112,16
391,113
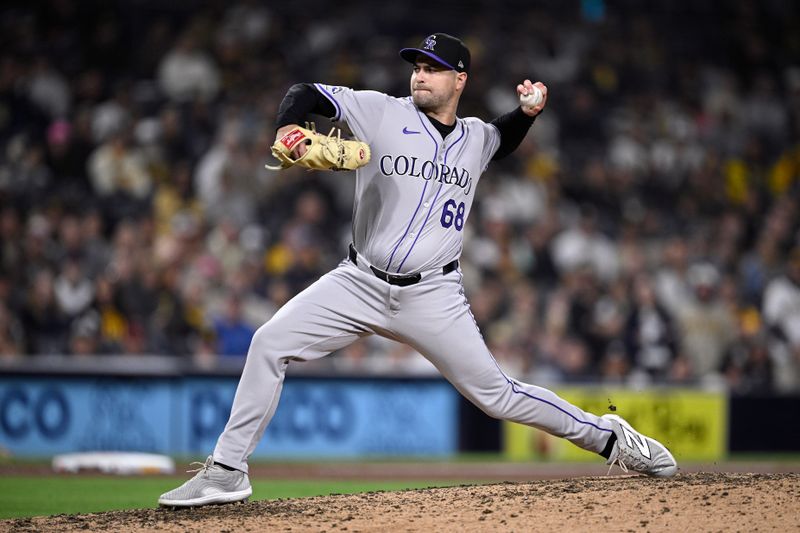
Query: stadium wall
x,y
162,405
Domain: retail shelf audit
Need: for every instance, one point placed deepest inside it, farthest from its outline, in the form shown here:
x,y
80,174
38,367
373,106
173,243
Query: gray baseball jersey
x,y
412,201
413,198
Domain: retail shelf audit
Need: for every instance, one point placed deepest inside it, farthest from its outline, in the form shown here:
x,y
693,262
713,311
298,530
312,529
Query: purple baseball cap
x,y
442,48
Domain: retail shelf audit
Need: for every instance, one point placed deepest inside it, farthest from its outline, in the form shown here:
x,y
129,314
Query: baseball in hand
x,y
531,99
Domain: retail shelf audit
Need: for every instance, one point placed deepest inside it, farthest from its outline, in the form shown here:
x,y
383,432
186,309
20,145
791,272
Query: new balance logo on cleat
x,y
636,452
632,438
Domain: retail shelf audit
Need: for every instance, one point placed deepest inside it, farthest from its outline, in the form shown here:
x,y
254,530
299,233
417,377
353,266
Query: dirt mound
x,y
702,501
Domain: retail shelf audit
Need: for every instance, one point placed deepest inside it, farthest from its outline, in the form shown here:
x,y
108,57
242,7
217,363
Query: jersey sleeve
x,y
362,111
491,143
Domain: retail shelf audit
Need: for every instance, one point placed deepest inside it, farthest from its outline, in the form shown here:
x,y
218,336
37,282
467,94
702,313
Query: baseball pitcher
x,y
417,168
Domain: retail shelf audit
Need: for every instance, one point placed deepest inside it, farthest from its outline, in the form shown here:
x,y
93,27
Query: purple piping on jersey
x,y
330,97
391,257
463,131
425,188
421,228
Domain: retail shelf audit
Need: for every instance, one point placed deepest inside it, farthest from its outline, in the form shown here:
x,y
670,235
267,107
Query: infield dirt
x,y
688,502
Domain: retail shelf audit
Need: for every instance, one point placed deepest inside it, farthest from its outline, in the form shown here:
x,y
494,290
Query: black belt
x,y
400,281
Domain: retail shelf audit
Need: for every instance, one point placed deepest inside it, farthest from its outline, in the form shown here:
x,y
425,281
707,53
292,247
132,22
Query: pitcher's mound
x,y
688,502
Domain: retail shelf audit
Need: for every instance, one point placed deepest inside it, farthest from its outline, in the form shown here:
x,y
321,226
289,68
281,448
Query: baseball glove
x,y
323,152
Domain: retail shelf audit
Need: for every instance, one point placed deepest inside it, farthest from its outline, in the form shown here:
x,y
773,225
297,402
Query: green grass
x,y
36,495
22,496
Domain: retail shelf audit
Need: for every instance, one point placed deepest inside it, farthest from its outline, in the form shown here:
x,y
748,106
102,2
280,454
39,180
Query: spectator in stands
x,y
172,327
585,245
119,177
707,325
45,325
135,278
96,248
25,178
187,72
114,327
12,336
583,292
608,316
574,361
84,337
136,157
39,250
224,244
615,365
232,332
524,318
48,89
113,117
671,283
219,179
782,317
66,157
11,245
650,337
747,365
758,267
72,289
175,196
542,269
69,241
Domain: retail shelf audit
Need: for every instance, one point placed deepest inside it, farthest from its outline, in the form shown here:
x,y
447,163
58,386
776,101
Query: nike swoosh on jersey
x,y
410,132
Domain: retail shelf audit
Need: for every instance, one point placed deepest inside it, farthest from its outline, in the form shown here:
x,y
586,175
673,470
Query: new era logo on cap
x,y
444,49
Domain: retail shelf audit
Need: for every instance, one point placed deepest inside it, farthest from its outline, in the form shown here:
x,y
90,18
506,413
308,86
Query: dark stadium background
x,y
645,234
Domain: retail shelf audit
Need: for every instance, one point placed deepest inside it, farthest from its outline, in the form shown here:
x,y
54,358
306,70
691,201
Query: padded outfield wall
x,y
163,405
41,416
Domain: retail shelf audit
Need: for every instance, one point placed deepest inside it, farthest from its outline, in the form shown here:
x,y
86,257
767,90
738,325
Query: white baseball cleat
x,y
212,484
634,451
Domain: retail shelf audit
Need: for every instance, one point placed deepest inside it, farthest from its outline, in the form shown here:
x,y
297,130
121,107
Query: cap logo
x,y
430,43
460,64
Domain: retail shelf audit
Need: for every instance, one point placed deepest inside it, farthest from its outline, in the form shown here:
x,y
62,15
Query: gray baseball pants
x,y
432,316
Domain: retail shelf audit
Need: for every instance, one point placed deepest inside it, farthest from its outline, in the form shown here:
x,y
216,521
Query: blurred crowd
x,y
645,232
